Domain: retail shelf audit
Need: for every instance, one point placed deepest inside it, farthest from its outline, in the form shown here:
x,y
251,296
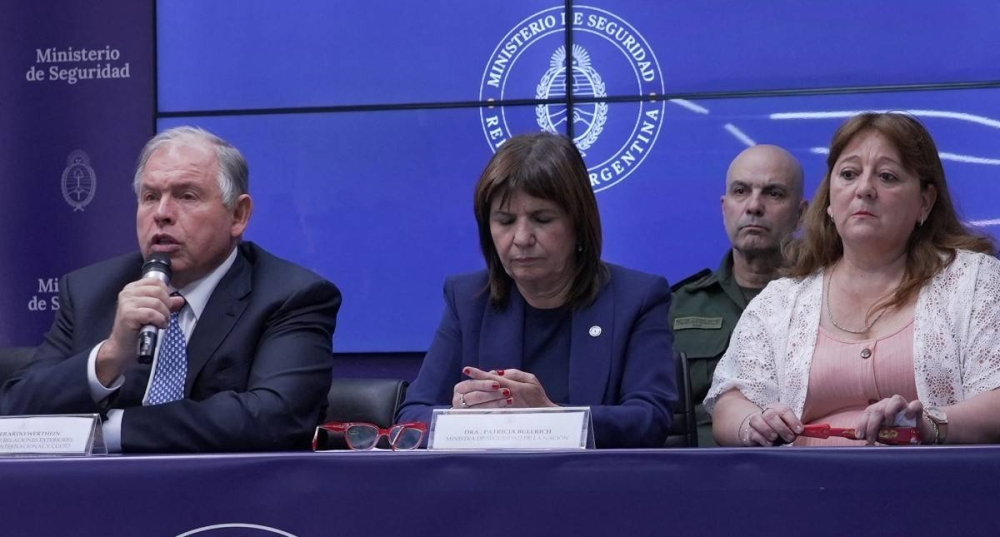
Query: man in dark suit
x,y
244,355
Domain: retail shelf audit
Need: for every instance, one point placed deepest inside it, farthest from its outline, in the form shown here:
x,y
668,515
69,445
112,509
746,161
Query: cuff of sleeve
x,y
112,426
97,390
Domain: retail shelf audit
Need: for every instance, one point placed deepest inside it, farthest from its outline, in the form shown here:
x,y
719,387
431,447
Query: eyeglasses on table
x,y
364,436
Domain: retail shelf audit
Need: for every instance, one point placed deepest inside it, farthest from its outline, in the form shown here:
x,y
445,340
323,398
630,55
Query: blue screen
x,y
237,54
386,230
367,124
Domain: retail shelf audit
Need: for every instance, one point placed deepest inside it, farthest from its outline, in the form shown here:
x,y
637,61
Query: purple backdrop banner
x,y
76,105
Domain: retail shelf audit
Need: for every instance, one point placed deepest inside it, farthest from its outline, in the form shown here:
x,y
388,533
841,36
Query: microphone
x,y
157,266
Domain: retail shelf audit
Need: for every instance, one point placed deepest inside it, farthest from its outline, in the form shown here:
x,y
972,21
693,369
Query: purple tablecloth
x,y
875,491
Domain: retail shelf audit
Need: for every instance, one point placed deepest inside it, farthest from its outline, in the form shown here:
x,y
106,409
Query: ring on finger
x,y
461,398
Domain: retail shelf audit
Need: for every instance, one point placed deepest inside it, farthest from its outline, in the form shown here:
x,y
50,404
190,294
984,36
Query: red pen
x,y
895,436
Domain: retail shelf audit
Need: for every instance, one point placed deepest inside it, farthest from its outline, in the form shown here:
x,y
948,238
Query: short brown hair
x,y
931,246
549,167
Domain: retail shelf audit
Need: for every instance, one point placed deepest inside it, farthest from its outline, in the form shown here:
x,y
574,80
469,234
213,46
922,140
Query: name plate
x,y
522,428
65,435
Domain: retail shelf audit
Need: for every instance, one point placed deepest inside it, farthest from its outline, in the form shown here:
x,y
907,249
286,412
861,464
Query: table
x,y
769,491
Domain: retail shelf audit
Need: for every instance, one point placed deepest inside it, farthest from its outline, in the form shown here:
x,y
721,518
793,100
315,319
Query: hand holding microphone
x,y
144,307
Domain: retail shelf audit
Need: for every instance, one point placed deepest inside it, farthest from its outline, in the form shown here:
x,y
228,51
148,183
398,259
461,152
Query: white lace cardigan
x,y
956,338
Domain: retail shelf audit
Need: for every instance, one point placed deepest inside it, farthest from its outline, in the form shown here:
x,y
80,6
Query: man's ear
x,y
241,214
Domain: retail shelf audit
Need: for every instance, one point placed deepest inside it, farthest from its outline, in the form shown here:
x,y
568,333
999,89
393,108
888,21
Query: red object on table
x,y
896,436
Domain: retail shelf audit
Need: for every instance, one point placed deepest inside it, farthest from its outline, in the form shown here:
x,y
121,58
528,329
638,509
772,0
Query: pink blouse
x,y
847,377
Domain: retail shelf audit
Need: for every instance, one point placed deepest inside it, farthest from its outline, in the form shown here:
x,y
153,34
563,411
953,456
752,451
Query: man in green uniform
x,y
761,207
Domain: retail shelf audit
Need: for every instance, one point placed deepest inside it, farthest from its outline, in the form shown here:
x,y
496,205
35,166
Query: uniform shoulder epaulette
x,y
703,273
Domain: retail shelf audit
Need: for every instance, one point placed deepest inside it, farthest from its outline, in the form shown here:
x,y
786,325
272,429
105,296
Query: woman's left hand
x,y
525,389
883,414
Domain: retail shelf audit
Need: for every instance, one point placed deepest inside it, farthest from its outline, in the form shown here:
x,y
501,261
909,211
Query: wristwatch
x,y
939,423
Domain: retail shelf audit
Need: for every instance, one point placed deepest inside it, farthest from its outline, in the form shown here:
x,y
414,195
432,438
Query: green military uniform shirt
x,y
705,309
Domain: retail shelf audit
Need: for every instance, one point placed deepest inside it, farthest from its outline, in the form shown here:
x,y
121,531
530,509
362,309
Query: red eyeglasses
x,y
364,436
897,436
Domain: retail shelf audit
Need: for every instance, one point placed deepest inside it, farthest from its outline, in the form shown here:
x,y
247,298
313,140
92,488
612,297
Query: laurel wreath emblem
x,y
582,64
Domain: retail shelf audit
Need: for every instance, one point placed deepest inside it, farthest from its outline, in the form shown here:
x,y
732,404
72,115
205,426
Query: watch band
x,y
939,423
942,432
934,427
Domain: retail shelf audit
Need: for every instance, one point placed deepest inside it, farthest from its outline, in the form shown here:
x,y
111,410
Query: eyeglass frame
x,y
343,426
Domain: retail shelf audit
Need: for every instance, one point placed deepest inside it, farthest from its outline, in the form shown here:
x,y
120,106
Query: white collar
x,y
199,291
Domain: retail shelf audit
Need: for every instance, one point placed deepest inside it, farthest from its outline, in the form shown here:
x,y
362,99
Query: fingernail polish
x,y
496,385
466,371
510,400
506,392
500,372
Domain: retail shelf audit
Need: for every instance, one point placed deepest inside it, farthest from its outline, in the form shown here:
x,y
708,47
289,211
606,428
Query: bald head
x,y
767,160
763,201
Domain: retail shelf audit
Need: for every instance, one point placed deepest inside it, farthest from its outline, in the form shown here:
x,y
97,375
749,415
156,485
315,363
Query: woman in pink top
x,y
890,314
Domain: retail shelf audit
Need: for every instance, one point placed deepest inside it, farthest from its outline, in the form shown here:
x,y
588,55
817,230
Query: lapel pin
x,y
595,331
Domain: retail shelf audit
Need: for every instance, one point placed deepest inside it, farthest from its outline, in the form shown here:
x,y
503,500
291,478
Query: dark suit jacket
x,y
259,359
626,374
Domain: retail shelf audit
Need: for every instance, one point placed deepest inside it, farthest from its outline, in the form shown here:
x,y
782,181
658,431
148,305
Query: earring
x,y
921,221
579,247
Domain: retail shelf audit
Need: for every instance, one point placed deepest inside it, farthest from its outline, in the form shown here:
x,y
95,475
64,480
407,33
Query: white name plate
x,y
75,435
522,428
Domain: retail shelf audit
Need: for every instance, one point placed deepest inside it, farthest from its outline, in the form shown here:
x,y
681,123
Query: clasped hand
x,y
502,388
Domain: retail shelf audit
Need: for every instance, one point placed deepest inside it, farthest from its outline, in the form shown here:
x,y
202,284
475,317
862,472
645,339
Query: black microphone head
x,y
158,262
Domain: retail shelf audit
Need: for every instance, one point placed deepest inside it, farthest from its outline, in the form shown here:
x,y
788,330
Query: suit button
x,y
866,354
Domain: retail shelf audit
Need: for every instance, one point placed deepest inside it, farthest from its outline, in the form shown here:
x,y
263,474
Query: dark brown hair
x,y
931,246
549,167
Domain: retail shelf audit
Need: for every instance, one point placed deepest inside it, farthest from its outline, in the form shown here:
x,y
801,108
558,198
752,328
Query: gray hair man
x,y
244,355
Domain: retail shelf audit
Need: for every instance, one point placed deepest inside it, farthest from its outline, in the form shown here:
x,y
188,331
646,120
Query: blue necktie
x,y
171,366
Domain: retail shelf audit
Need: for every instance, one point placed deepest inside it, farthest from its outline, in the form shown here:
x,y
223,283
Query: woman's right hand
x,y
776,423
482,391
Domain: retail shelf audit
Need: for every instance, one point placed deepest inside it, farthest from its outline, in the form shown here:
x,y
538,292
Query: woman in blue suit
x,y
548,323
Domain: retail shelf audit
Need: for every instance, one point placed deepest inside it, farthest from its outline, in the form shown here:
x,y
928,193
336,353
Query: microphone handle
x,y
148,334
147,344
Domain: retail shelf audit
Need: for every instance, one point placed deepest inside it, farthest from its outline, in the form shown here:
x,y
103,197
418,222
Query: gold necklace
x,y
829,311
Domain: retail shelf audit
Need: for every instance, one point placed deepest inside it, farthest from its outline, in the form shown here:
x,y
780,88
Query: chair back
x,y
362,400
684,432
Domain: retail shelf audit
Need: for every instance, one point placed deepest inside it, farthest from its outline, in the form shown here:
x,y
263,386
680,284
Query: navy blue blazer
x,y
259,359
626,374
